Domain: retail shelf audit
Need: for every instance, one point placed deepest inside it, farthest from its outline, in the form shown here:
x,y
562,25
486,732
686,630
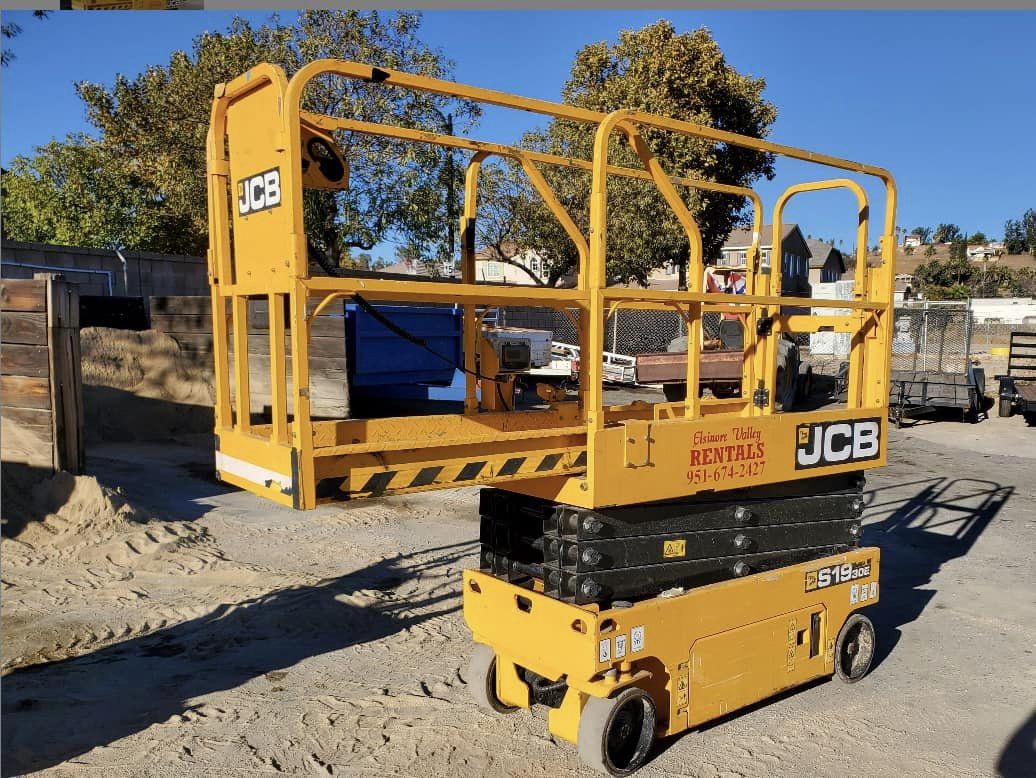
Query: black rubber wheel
x,y
482,680
780,402
1006,408
616,734
805,387
854,648
675,393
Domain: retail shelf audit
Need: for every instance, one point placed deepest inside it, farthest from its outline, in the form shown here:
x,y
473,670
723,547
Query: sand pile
x,y
142,386
76,507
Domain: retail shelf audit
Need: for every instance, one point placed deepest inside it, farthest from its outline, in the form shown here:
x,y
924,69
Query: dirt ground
x,y
158,623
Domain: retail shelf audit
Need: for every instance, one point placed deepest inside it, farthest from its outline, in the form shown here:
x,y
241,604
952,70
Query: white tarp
x,y
834,343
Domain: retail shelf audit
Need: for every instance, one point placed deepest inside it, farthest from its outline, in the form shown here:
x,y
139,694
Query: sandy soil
x,y
178,627
141,386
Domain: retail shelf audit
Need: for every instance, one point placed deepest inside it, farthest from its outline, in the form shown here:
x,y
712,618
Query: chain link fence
x,y
933,337
629,332
990,334
927,336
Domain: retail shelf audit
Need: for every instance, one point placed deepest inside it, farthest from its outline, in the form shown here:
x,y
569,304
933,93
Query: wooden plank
x,y
187,323
25,392
324,325
22,294
328,389
22,327
25,360
181,304
196,343
36,420
19,448
320,348
62,304
66,384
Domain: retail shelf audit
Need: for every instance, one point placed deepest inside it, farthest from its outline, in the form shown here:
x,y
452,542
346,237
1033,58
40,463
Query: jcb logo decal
x,y
837,442
259,192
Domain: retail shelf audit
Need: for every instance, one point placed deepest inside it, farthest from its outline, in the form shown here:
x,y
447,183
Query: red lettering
x,y
695,457
706,458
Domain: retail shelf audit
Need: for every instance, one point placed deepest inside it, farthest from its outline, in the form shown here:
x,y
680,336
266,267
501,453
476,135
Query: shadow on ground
x,y
1018,759
56,711
940,521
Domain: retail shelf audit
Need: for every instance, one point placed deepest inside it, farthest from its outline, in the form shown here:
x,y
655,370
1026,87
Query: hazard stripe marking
x,y
378,482
426,476
549,462
470,471
580,460
511,466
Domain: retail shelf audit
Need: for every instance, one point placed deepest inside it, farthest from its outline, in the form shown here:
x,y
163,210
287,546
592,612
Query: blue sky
x,y
942,99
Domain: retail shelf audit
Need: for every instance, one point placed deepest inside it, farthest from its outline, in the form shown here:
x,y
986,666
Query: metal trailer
x,y
644,577
931,362
916,394
1018,386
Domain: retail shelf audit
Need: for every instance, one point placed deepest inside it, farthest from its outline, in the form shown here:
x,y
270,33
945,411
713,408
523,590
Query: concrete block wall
x,y
100,272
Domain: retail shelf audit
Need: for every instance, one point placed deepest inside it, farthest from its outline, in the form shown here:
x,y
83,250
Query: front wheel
x,y
616,734
482,680
854,648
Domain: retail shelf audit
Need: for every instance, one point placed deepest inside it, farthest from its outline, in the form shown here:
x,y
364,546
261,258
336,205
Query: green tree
x,y
929,250
945,273
73,190
153,127
923,233
947,233
1029,227
658,70
959,250
10,30
1014,236
977,239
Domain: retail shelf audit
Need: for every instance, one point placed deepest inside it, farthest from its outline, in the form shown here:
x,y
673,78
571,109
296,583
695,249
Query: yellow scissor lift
x,y
617,673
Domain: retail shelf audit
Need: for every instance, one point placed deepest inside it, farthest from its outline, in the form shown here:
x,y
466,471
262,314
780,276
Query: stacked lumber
x,y
188,320
41,401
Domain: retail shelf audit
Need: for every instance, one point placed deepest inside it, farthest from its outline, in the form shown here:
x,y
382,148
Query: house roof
x,y
742,239
821,252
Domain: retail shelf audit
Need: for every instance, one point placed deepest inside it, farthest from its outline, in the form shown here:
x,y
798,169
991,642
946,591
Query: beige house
x,y
826,263
491,268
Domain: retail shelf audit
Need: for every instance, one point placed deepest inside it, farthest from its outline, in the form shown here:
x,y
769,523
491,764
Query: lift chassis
x,y
714,559
669,663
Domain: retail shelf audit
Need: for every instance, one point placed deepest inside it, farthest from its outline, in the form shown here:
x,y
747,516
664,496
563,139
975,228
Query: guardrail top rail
x,y
583,452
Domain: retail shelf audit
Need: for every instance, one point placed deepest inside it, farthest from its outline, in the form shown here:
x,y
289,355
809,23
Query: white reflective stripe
x,y
250,472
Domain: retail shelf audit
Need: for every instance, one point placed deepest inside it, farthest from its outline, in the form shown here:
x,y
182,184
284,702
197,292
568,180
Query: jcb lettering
x,y
834,443
259,192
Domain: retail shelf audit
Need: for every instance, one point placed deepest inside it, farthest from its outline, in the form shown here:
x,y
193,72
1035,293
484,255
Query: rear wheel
x,y
675,393
482,680
854,648
616,734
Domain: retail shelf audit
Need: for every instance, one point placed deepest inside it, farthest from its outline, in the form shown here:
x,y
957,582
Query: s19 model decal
x,y
837,443
259,192
833,575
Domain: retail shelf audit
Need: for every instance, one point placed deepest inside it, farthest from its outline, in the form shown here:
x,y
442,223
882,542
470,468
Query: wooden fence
x,y
188,320
40,380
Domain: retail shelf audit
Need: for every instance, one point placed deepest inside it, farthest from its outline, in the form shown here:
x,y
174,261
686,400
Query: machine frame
x,y
583,452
